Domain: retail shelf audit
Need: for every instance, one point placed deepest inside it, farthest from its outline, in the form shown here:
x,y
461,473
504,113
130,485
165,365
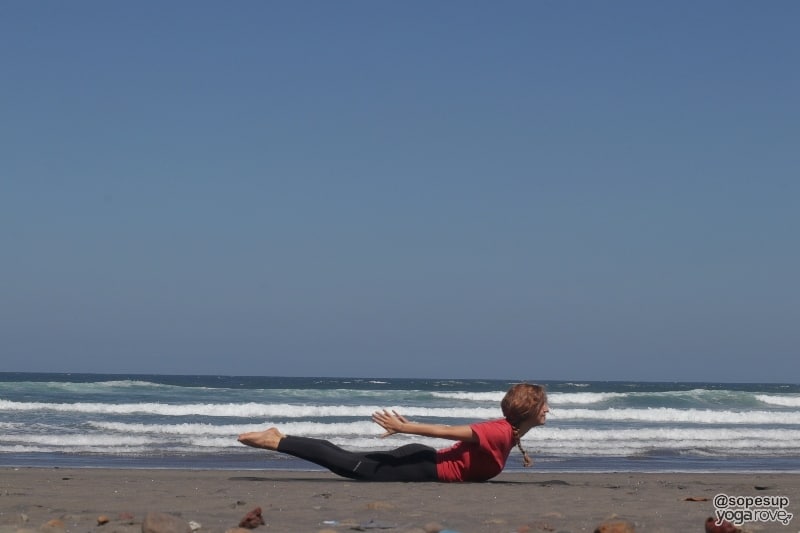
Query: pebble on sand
x,y
253,519
53,525
616,526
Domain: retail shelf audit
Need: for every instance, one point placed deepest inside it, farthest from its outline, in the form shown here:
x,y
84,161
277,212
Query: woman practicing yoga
x,y
480,453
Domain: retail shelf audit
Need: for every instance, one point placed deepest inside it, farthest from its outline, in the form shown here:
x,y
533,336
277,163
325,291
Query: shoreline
x,y
299,501
320,470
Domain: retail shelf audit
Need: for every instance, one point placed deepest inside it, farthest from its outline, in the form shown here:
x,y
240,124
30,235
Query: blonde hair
x,y
522,401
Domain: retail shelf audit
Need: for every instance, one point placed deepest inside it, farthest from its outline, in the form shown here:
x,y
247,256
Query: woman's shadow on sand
x,y
547,483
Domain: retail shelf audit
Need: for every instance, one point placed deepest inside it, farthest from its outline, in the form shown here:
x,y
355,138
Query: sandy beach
x,y
56,499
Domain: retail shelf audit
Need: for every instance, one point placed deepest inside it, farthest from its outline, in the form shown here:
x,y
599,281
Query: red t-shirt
x,y
477,461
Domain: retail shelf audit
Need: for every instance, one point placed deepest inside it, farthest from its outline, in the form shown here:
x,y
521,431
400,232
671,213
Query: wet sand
x,y
73,499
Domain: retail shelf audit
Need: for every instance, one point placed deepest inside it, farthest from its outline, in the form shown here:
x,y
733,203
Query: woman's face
x,y
541,416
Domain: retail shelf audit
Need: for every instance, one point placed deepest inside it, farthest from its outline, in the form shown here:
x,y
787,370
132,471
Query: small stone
x,y
194,526
615,527
102,520
55,523
156,522
433,527
253,519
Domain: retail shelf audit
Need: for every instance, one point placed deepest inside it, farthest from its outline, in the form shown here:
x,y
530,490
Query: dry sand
x,y
318,501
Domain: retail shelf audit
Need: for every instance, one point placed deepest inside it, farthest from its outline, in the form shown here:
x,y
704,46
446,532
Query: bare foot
x,y
267,439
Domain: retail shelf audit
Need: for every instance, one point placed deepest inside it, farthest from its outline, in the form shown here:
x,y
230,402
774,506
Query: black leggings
x,y
412,462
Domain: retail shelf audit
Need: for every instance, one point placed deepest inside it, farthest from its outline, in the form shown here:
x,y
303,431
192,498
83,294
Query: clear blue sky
x,y
532,190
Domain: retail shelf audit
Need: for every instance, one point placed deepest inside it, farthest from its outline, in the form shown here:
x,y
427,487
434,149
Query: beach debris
x,y
253,519
102,520
155,522
374,524
194,526
724,527
616,526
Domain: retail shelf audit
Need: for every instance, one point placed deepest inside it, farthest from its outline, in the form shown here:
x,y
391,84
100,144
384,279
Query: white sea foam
x,y
289,411
587,398
494,397
783,400
685,416
582,398
309,429
631,441
129,383
554,398
247,410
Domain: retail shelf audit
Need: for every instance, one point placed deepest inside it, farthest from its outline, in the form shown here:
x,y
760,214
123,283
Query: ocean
x,y
191,422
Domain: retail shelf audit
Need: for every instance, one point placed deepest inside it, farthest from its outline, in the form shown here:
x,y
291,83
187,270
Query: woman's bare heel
x,y
267,439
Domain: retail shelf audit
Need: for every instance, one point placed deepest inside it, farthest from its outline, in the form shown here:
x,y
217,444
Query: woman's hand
x,y
391,422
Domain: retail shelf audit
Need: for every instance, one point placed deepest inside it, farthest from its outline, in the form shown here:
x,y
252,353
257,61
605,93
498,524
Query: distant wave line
x,y
247,410
547,441
785,401
284,411
538,435
684,416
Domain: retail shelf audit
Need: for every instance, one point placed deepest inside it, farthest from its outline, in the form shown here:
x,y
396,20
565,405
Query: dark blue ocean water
x,y
138,421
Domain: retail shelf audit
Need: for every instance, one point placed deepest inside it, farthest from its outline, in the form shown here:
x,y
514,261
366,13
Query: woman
x,y
479,454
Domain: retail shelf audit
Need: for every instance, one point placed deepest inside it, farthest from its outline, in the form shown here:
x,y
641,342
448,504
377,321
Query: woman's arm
x,y
396,423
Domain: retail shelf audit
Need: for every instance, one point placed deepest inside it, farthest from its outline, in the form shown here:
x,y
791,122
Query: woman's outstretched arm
x,y
396,423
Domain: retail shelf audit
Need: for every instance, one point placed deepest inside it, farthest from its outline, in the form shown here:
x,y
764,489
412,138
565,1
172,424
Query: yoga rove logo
x,y
740,509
